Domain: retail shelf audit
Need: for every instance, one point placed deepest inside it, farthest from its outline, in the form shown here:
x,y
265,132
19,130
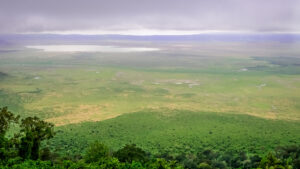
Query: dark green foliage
x,y
134,165
213,159
130,153
28,141
47,155
270,161
40,129
108,163
160,163
26,146
180,131
204,165
6,118
3,148
95,152
34,131
290,152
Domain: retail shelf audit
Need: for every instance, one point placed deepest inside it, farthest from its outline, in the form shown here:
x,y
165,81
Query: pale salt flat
x,y
90,48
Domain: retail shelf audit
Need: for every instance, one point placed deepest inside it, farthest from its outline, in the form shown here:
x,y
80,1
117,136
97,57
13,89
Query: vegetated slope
x,y
180,131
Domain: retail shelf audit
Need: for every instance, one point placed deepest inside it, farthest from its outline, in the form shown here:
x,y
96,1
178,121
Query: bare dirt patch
x,y
83,113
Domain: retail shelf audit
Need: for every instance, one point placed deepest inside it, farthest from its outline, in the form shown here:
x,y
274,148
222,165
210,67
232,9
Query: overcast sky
x,y
137,16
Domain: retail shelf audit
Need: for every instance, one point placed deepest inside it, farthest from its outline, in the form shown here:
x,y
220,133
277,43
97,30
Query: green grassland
x,y
159,100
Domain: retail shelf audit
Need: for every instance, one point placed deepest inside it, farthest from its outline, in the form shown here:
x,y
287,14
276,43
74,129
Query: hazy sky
x,y
137,16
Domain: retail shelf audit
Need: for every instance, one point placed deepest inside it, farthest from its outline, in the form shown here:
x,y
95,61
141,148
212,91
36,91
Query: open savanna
x,y
175,100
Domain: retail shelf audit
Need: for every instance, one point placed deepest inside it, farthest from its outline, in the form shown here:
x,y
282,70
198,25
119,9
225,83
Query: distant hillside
x,y
55,38
3,75
180,131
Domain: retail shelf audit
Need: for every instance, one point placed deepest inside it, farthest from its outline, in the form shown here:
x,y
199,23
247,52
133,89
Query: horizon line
x,y
153,32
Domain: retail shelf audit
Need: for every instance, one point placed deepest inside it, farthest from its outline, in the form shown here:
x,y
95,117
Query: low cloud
x,y
35,16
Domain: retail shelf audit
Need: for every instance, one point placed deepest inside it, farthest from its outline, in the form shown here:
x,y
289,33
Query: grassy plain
x,y
190,97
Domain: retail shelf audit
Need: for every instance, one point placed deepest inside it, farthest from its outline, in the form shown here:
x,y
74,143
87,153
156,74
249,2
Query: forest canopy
x,y
26,150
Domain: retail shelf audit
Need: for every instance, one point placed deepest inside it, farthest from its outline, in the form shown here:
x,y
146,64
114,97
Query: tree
x,y
6,118
108,163
161,163
204,165
270,161
131,153
35,131
95,152
290,153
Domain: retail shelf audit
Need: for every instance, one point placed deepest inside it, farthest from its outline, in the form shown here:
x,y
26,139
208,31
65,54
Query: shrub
x,y
130,153
95,152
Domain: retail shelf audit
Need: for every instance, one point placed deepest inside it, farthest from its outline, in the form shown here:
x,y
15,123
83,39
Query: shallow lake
x,y
90,48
